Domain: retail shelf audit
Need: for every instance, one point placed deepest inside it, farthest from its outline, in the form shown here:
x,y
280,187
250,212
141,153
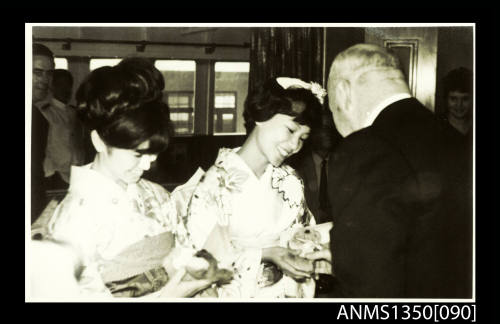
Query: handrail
x,y
139,43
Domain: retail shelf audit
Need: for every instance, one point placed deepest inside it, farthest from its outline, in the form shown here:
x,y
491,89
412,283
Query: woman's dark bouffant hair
x,y
123,104
270,99
146,68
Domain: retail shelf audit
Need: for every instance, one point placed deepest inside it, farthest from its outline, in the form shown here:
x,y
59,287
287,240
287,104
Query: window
x,y
179,92
225,100
61,63
179,99
205,97
225,112
181,110
231,88
96,63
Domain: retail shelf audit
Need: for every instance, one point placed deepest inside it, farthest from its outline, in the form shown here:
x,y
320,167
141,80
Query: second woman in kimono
x,y
247,205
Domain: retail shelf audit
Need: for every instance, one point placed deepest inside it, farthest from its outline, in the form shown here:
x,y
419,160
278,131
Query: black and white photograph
x,y
231,162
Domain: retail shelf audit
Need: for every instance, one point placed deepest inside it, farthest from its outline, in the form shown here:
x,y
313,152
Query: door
x,y
416,48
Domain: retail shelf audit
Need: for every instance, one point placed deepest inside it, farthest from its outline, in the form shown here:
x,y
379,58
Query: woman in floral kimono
x,y
121,225
248,204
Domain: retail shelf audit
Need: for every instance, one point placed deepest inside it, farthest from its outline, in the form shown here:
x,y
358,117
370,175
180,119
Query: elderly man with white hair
x,y
400,193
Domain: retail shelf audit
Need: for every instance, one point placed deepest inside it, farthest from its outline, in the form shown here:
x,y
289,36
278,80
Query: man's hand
x,y
323,254
322,260
289,262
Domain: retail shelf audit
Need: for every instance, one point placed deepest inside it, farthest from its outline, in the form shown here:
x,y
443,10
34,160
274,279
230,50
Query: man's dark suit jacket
x,y
303,164
401,197
39,133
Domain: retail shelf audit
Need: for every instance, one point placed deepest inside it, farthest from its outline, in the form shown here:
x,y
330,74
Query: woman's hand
x,y
177,287
289,261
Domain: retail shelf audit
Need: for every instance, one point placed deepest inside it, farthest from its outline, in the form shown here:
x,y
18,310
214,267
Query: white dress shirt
x,y
64,142
382,105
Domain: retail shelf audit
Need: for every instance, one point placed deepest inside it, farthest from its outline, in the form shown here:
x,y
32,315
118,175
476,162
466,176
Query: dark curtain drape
x,y
286,52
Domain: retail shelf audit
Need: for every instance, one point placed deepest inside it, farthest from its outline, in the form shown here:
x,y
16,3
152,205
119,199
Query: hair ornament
x,y
314,87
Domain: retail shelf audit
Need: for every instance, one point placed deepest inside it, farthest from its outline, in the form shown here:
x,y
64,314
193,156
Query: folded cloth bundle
x,y
138,269
143,284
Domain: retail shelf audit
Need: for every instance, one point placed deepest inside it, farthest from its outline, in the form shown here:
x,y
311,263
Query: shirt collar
x,y
58,104
318,158
42,103
382,105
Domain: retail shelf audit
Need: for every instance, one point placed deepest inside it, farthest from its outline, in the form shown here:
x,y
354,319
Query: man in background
x,y
65,137
458,93
43,67
401,197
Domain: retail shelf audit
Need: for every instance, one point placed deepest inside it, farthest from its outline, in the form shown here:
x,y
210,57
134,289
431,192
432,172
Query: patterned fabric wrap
x,y
145,283
123,235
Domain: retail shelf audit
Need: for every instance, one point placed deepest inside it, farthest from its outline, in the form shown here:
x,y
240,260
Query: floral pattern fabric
x,y
234,215
101,219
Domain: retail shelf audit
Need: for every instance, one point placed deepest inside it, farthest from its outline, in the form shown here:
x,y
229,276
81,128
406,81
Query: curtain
x,y
288,52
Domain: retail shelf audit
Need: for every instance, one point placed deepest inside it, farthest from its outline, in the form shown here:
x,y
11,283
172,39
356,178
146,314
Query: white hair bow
x,y
314,87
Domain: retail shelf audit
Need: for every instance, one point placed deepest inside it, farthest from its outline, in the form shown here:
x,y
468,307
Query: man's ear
x,y
98,143
343,94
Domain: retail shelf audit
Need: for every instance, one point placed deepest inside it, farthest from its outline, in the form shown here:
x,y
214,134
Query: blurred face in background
x,y
459,104
323,140
43,68
62,91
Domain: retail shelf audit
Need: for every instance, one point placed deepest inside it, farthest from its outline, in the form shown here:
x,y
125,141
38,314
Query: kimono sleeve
x,y
204,209
180,200
76,223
